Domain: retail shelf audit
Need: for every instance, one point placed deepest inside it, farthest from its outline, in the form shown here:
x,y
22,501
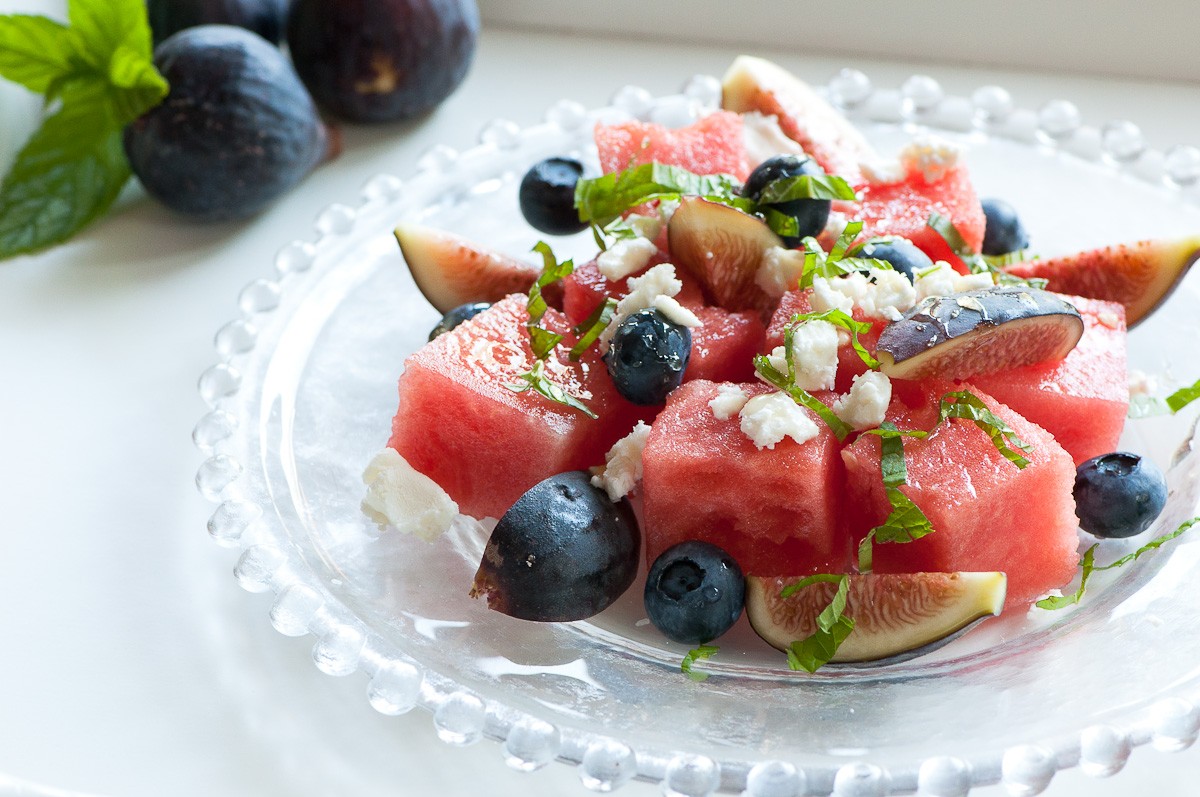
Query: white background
x,y
131,664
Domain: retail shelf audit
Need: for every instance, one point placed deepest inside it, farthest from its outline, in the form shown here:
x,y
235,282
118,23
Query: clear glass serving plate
x,y
303,395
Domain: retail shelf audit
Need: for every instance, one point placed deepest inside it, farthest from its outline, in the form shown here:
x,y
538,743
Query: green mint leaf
x,y
781,224
100,27
833,626
542,341
537,381
1149,406
35,52
694,655
604,198
806,186
136,85
981,264
950,234
591,328
964,404
845,240
60,182
891,463
763,366
840,318
1183,397
905,523
552,271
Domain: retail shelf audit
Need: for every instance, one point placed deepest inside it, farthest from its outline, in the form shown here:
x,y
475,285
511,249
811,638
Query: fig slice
x,y
450,270
978,332
897,616
722,247
1139,275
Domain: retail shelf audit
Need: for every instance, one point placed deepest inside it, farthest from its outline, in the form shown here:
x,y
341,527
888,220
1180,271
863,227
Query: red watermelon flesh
x,y
776,511
986,513
723,348
585,288
904,209
712,145
850,364
460,424
1083,399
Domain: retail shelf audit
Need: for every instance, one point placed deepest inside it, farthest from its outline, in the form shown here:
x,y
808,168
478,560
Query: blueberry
x,y
547,196
1118,495
464,312
903,255
1004,232
811,214
647,357
694,592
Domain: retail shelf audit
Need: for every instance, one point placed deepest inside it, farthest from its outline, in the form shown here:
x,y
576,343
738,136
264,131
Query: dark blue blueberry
x,y
811,214
694,592
904,255
547,196
464,312
1118,495
562,552
1004,232
647,356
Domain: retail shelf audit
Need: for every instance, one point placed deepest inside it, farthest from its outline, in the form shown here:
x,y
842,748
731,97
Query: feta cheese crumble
x,y
645,292
864,406
764,139
779,271
625,257
623,464
729,401
769,418
676,313
403,497
943,280
933,157
884,293
883,171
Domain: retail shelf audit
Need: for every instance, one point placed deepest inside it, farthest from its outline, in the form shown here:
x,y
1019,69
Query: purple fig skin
x,y
382,60
265,17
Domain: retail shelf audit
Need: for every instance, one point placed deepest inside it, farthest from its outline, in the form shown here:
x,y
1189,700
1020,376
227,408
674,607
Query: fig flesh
x,y
382,60
236,131
897,616
265,17
978,332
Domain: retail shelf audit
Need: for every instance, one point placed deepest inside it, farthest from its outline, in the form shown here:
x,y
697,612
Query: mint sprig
x,y
906,522
694,655
602,199
97,74
965,404
1088,566
833,626
589,331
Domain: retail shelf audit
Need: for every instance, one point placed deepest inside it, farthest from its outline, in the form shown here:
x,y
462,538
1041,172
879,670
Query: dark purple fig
x,y
265,17
382,60
236,131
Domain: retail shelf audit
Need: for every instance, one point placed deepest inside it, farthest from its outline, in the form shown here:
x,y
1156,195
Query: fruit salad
x,y
800,379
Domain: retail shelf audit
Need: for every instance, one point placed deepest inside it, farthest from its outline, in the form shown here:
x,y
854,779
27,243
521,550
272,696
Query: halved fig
x,y
722,247
978,332
897,616
1139,275
450,270
755,84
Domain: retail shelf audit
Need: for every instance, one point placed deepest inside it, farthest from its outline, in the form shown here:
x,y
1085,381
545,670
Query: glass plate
x,y
303,396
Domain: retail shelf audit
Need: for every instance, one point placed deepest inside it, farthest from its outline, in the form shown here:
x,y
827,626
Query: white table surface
x,y
131,664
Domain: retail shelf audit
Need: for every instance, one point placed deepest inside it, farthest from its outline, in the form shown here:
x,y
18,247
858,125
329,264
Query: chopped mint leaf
x,y
848,236
965,404
694,655
1183,397
539,382
944,227
542,341
763,366
833,626
592,326
905,523
806,186
552,271
1088,566
603,199
1149,406
840,318
781,224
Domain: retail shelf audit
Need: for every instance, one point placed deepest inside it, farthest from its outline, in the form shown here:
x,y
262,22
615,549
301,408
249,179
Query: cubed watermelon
x,y
723,348
585,288
460,424
714,144
776,511
1083,399
986,513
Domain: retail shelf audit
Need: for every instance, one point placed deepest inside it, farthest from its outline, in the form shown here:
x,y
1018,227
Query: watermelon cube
x,y
1083,399
712,145
776,511
723,348
986,513
460,424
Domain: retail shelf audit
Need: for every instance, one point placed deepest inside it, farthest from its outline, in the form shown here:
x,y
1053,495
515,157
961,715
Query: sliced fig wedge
x,y
978,332
1139,275
722,247
450,270
897,616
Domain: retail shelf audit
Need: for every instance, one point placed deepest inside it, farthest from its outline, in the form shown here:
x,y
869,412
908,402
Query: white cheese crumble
x,y
864,406
626,256
779,271
764,139
884,293
403,497
814,355
646,226
933,157
623,464
676,313
769,418
656,288
729,401
943,280
1142,383
883,171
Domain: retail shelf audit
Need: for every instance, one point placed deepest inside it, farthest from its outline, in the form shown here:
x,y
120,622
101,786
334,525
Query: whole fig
x,y
235,132
382,60
264,17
